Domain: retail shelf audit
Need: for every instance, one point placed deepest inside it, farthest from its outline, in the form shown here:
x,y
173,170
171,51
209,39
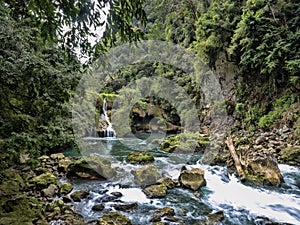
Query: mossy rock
x,y
91,167
156,191
44,180
77,196
291,155
192,179
184,143
140,158
146,175
108,96
66,188
114,218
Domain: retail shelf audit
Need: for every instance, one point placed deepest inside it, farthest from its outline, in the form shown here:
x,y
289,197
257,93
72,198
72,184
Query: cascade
x,y
106,129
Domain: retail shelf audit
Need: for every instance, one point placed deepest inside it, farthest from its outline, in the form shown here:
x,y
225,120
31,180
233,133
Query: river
x,y
241,204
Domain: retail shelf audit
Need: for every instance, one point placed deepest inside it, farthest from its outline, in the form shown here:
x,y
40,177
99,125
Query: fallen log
x,y
235,157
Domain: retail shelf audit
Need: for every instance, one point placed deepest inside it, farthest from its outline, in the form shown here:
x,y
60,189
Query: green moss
x,y
139,158
44,180
291,155
187,143
114,218
20,210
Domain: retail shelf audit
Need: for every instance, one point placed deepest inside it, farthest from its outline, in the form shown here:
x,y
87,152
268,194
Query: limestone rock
x,y
77,196
159,213
98,207
262,169
91,167
114,218
50,191
126,207
156,191
57,156
146,175
66,188
192,179
44,180
140,158
168,182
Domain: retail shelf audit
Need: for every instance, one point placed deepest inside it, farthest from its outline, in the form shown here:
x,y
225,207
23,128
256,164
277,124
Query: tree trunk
x,y
235,157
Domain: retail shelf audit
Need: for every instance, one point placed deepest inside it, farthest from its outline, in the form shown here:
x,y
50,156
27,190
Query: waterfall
x,y
108,131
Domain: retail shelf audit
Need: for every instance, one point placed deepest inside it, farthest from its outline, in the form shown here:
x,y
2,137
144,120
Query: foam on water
x,y
258,202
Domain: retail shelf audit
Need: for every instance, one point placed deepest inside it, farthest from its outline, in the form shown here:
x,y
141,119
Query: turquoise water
x,y
241,204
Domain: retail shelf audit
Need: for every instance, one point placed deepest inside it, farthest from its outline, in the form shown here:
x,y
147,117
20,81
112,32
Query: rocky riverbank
x,y
45,195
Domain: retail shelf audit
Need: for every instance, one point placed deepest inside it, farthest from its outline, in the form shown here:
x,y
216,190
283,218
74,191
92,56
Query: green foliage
x,y
280,106
266,39
215,29
36,84
72,23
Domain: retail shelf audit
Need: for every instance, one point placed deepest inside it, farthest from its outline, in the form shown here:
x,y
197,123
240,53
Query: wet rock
x,y
291,155
50,191
109,198
66,188
140,158
159,213
117,194
64,163
91,167
215,218
44,180
77,196
192,179
168,182
98,207
156,191
262,169
146,175
126,207
184,143
114,218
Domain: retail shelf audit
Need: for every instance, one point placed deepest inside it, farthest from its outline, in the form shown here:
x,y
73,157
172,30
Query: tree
x,y
72,22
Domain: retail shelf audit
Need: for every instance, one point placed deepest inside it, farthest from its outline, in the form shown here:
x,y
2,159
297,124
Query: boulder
x,y
262,169
215,218
114,218
156,191
140,158
146,175
192,179
44,180
50,191
77,196
98,207
57,156
167,181
159,213
64,163
66,188
91,167
126,207
184,143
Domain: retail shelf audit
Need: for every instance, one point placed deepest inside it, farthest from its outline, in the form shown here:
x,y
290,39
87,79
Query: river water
x,y
241,204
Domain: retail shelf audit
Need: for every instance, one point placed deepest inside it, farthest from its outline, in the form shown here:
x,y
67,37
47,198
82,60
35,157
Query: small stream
x,y
241,204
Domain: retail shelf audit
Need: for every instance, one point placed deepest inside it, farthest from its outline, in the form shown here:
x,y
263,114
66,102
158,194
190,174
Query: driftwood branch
x,y
235,157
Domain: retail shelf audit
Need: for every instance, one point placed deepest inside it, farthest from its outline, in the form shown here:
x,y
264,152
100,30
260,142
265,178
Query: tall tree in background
x,y
39,70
